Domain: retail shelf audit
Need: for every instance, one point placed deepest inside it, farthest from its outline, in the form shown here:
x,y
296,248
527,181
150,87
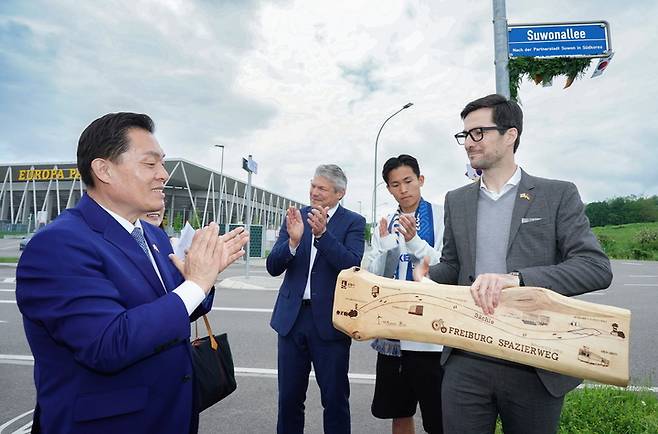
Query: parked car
x,y
25,240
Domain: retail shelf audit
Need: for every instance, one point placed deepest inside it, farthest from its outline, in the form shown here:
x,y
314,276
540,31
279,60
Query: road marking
x,y
242,309
5,425
644,275
640,284
632,263
273,373
603,292
9,280
223,288
7,290
227,309
16,359
25,429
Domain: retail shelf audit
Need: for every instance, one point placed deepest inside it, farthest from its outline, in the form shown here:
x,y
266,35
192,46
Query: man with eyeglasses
x,y
509,229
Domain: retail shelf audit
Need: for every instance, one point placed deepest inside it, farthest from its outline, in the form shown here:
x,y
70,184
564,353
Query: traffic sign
x,y
249,165
585,39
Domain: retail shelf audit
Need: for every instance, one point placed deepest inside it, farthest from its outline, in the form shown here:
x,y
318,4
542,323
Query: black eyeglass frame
x,y
463,134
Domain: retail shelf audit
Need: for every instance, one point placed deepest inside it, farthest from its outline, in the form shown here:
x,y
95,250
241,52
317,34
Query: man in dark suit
x,y
106,313
312,250
509,229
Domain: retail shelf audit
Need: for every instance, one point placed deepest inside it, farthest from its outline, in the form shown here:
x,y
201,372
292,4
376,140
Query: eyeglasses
x,y
477,133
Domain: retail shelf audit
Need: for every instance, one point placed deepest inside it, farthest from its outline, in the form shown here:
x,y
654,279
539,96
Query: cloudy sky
x,y
300,83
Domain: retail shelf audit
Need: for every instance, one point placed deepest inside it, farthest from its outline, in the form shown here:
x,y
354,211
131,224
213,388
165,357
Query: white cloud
x,y
299,83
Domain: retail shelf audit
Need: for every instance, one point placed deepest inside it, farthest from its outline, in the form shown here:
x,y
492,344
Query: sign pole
x,y
248,225
500,48
250,166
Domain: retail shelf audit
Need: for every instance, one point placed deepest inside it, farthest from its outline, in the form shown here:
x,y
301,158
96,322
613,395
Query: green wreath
x,y
543,70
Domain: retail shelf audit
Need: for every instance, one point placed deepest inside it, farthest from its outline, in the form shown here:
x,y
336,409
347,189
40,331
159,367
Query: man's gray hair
x,y
334,174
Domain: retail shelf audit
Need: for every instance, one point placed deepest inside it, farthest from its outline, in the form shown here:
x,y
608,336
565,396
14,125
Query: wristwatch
x,y
517,274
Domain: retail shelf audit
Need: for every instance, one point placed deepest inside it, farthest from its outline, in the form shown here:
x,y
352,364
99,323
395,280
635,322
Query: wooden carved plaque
x,y
533,326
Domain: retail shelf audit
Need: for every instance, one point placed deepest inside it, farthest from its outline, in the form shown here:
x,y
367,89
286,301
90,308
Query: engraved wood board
x,y
533,326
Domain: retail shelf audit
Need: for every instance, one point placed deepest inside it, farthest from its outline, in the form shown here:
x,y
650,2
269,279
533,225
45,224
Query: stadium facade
x,y
36,193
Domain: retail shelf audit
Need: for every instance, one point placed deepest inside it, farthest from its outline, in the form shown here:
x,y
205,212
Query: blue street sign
x,y
588,39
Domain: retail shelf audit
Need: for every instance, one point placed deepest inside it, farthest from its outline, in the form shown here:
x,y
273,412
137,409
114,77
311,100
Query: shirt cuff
x,y
415,244
191,294
292,251
388,242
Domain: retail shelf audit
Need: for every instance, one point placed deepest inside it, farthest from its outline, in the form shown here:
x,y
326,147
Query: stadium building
x,y
34,194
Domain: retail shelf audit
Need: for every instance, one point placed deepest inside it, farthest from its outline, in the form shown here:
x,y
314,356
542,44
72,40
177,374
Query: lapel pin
x,y
156,248
525,196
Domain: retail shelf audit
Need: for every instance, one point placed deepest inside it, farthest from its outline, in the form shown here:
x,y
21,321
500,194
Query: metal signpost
x,y
500,48
250,166
584,39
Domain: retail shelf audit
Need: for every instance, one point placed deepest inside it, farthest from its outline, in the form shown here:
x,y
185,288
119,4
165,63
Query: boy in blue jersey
x,y
408,373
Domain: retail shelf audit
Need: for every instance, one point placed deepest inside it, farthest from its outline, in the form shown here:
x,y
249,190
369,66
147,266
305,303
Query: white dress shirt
x,y
510,184
314,251
189,292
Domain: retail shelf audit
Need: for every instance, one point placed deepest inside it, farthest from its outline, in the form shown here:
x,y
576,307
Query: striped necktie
x,y
139,237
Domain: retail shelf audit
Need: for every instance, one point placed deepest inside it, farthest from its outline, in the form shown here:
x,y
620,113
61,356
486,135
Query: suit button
x,y
186,378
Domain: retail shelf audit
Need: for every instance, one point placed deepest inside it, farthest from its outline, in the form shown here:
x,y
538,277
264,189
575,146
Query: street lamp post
x,y
374,183
221,180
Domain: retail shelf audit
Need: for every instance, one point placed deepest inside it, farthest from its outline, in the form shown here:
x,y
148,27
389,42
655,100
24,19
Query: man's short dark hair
x,y
506,113
401,160
107,138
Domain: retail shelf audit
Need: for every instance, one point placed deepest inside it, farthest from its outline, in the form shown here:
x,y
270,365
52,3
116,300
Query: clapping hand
x,y
421,270
210,254
294,226
407,226
383,228
317,219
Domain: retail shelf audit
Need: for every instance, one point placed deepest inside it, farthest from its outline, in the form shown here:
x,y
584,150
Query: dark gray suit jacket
x,y
552,247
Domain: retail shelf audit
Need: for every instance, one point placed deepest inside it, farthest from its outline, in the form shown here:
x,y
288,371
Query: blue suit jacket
x,y
111,347
339,248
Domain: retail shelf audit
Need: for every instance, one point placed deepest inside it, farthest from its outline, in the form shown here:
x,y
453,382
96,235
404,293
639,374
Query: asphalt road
x,y
245,313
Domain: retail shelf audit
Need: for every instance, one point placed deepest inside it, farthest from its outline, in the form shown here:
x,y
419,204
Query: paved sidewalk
x,y
257,280
263,283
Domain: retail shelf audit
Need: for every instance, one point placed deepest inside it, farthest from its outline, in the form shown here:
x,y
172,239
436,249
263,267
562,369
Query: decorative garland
x,y
543,70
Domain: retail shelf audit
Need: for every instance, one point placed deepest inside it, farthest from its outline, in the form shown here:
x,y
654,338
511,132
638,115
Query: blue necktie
x,y
139,237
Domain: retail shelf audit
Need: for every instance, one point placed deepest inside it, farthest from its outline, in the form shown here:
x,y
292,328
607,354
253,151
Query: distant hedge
x,y
623,210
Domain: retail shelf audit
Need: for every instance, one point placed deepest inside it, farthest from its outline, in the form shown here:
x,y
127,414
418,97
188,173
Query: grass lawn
x,y
621,242
607,410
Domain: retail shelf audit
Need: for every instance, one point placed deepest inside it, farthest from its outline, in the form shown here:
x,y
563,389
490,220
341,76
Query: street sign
x,y
586,39
249,165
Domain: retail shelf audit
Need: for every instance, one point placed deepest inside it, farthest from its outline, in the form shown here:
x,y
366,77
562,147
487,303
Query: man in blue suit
x,y
312,251
105,311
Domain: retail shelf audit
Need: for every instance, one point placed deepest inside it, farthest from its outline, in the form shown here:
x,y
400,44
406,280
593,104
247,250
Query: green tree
x,y
368,232
623,210
597,213
178,222
195,222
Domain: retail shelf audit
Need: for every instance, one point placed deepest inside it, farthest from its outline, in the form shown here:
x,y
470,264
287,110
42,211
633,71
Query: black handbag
x,y
214,374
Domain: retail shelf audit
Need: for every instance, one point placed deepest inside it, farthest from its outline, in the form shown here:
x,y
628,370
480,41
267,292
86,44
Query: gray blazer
x,y
550,244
